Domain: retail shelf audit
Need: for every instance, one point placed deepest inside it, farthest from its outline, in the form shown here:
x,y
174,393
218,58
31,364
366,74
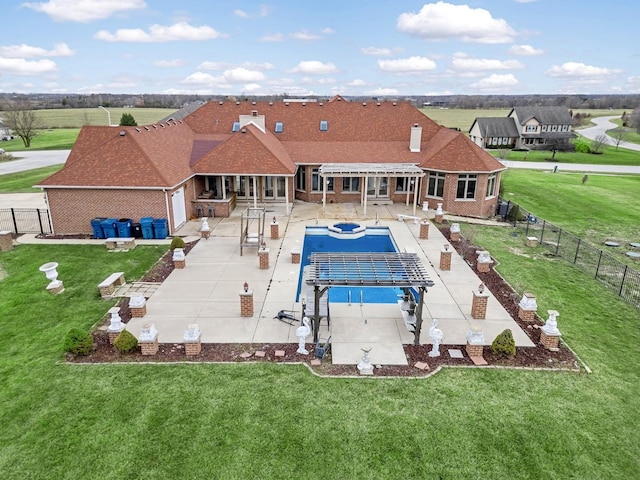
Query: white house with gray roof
x,y
524,127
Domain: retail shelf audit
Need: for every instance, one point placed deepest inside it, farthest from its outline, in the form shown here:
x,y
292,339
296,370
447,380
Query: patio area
x,y
207,290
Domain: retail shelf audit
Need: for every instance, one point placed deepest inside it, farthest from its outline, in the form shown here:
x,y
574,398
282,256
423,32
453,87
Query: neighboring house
x,y
225,154
523,128
5,132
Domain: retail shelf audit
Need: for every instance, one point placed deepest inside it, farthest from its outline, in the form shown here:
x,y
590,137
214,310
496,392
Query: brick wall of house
x,y
478,207
73,209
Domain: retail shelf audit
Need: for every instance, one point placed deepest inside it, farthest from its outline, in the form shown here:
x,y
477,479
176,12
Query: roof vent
x,y
146,128
364,104
220,103
237,103
244,130
253,103
304,104
122,133
378,104
138,130
155,126
270,103
286,104
320,103
254,113
394,104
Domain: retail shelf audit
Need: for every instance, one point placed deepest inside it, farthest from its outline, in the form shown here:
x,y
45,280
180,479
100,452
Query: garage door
x,y
179,209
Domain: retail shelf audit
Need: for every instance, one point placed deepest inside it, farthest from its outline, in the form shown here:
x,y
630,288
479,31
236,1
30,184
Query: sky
x,y
349,47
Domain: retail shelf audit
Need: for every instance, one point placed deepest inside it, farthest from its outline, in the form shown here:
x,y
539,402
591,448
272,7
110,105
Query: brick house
x,y
227,153
523,128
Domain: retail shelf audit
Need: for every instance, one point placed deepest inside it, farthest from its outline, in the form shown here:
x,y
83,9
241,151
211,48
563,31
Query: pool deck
x,y
207,291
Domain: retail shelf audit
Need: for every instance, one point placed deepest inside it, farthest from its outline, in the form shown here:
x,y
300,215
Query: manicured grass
x,y
52,139
609,156
461,118
273,421
22,182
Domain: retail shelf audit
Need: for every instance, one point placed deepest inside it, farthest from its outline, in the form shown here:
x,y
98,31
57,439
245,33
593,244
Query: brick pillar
x,y
550,341
527,308
263,258
484,261
192,340
295,255
112,337
454,232
246,302
6,241
275,231
138,306
474,350
479,305
424,229
179,259
148,340
445,258
439,213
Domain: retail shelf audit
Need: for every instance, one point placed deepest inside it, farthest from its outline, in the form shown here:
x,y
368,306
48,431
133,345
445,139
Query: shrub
x,y
504,344
125,342
78,342
177,242
582,146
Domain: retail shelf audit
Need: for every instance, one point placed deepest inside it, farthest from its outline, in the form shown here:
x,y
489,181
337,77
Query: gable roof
x,y
544,115
496,127
451,151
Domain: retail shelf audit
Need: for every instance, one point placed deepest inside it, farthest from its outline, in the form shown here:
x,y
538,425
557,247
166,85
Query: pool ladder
x,y
361,297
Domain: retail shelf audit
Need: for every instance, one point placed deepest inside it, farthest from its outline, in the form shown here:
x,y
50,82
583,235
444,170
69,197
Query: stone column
x,y
275,229
295,254
115,324
138,306
6,241
475,342
439,214
479,303
445,258
549,333
179,258
527,308
246,301
192,340
148,340
424,229
455,232
484,261
263,257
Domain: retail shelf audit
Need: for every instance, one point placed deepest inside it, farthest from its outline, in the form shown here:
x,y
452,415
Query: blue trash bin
x,y
124,227
109,227
96,226
146,224
160,228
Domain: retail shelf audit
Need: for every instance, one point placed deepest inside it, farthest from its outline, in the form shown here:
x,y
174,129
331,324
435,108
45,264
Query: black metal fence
x,y
617,276
25,220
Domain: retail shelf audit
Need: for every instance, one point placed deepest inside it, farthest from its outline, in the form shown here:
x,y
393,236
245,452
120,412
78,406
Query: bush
x,y
78,342
126,342
582,146
177,242
504,345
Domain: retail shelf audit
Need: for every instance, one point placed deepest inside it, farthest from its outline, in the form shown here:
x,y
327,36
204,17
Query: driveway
x,y
602,124
28,160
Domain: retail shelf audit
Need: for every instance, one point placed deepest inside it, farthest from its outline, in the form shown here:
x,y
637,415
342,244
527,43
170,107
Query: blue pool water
x,y
350,237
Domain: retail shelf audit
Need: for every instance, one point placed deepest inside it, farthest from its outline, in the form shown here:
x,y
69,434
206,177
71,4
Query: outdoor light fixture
x,y
481,288
446,247
246,287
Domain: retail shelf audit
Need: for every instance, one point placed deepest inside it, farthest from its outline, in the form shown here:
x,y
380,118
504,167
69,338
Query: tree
x,y
127,120
619,135
21,119
598,143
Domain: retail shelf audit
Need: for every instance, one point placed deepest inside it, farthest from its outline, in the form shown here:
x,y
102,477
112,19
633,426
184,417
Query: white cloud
x,y
20,66
357,83
579,70
440,21
314,67
180,31
199,78
170,63
382,92
84,10
496,82
328,31
407,65
376,52
305,35
481,64
229,66
240,13
274,37
251,88
242,75
26,51
525,50
525,1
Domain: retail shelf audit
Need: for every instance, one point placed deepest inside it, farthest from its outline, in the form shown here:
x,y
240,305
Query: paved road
x,y
28,160
573,167
602,124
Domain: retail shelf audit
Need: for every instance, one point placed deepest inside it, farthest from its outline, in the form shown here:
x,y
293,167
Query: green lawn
x,y
22,182
274,421
609,156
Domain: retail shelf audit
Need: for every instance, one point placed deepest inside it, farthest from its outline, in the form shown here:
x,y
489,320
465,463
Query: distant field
x,y
78,117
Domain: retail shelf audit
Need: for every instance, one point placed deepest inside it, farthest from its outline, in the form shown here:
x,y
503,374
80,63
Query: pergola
x,y
366,170
398,270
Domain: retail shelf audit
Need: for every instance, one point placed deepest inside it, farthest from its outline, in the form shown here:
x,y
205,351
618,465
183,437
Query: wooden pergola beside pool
x,y
396,270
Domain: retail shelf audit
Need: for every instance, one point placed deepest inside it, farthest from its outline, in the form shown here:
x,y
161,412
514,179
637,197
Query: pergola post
x,y
324,194
415,195
255,192
286,194
364,194
416,334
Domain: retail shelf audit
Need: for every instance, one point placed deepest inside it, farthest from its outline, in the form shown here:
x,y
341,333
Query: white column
x,y
286,194
364,190
415,195
324,194
224,187
255,192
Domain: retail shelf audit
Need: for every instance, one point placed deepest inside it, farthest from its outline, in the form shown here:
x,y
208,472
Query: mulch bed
x,y
526,357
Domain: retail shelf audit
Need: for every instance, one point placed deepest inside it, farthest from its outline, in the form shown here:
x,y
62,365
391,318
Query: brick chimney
x,y
415,139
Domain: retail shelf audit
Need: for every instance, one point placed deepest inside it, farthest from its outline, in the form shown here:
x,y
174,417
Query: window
x,y
544,128
316,182
279,127
350,184
236,126
491,184
554,128
324,125
435,184
301,178
466,186
405,184
531,128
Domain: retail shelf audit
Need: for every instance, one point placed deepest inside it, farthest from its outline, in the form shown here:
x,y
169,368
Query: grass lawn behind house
x,y
22,182
274,421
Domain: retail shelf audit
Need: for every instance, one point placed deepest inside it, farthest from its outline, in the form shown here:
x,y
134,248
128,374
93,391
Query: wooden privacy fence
x,y
25,220
614,274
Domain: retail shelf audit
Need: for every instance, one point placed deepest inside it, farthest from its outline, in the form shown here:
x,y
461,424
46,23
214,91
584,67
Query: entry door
x,y
179,209
274,187
378,187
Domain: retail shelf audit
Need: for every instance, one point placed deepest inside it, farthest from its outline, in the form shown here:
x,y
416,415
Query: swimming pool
x,y
350,237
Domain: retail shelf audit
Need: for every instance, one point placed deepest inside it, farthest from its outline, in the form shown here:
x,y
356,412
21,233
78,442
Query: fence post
x,y
39,221
624,276
515,217
599,258
575,257
544,223
558,242
15,224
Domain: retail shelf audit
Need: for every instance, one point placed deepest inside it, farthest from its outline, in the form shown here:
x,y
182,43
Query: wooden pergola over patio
x,y
396,270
